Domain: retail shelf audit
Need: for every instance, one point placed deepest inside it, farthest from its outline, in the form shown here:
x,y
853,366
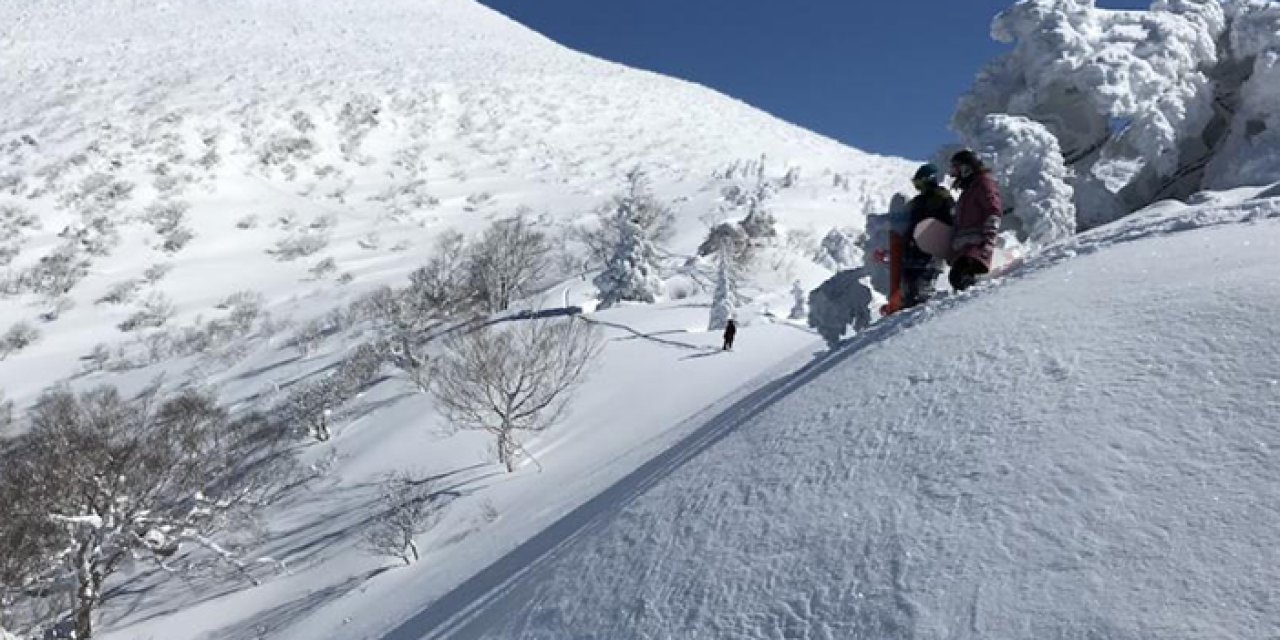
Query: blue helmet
x,y
927,173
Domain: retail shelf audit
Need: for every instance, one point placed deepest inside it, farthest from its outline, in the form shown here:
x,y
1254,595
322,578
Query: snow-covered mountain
x,y
274,136
196,192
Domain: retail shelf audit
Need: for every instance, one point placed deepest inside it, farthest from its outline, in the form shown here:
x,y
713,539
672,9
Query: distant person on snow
x,y
977,225
919,269
730,330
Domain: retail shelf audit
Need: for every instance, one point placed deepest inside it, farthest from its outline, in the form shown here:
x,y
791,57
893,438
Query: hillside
x,y
1085,448
195,193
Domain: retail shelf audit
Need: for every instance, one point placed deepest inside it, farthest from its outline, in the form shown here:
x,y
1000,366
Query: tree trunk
x,y
506,452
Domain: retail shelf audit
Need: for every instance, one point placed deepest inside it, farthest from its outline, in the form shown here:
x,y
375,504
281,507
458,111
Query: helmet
x,y
968,158
926,175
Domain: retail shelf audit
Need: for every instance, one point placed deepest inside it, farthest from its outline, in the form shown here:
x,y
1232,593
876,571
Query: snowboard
x,y
933,236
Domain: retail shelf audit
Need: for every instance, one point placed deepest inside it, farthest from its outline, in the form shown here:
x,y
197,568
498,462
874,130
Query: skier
x,y
977,218
919,269
730,330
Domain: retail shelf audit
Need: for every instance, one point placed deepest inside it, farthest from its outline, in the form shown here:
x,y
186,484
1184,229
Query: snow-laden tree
x,y
1250,152
630,271
838,250
100,481
725,300
508,380
760,224
1025,157
1125,93
800,307
843,300
654,218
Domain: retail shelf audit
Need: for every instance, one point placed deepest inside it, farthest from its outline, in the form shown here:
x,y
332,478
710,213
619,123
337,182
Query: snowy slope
x,y
1085,449
179,156
367,129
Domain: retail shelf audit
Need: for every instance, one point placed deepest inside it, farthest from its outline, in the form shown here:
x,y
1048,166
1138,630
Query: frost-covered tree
x,y
100,481
725,300
799,308
630,271
505,381
1025,157
838,250
759,224
843,300
1144,105
654,218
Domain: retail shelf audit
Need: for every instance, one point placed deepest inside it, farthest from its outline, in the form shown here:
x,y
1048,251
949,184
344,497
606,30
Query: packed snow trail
x,y
1089,451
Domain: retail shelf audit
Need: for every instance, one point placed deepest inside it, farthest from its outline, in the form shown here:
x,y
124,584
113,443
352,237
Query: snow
x,y
1084,448
776,491
288,136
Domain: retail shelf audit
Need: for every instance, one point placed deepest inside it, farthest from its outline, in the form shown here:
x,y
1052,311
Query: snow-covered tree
x,y
1144,105
630,272
654,218
838,250
1027,162
505,381
725,300
760,225
800,308
100,481
843,300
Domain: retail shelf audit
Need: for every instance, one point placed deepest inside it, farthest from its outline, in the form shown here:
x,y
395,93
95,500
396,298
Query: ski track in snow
x,y
1088,450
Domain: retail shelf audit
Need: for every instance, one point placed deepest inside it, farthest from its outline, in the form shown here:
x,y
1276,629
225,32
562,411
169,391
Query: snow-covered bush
x,y
504,381
1025,157
843,300
299,245
155,312
19,336
120,293
56,273
1129,95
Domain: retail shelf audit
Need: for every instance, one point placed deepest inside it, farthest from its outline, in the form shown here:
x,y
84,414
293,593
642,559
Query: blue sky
x,y
880,75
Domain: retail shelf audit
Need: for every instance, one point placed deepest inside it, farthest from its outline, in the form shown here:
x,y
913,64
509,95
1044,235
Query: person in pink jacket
x,y
977,217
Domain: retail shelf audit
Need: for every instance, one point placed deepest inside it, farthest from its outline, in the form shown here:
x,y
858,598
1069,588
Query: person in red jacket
x,y
977,218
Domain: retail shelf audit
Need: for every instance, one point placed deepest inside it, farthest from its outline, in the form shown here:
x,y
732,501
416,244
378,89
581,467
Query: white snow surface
x,y
1085,447
1102,450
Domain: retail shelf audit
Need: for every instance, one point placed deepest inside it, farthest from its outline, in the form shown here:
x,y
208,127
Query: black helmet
x,y
968,158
